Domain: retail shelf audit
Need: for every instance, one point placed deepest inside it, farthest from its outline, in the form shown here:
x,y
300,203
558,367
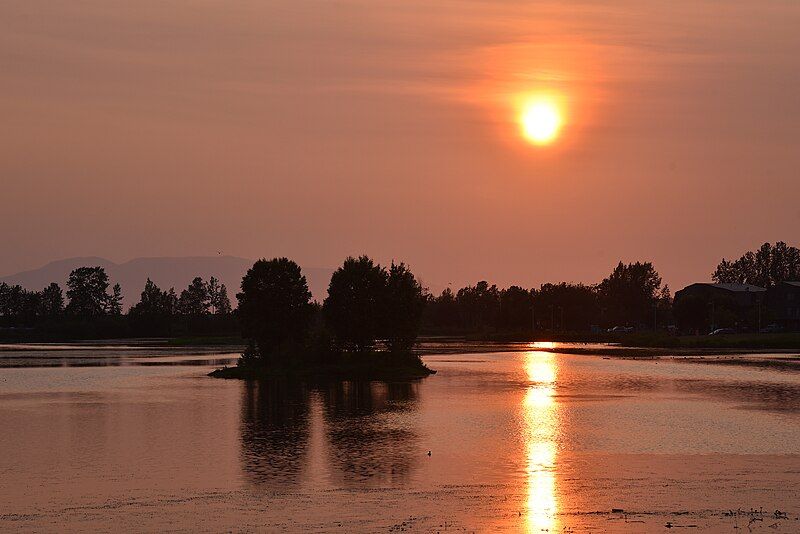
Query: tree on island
x,y
274,309
766,267
87,291
353,309
403,303
367,302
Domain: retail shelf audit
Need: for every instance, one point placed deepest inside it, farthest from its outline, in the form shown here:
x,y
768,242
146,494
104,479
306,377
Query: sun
x,y
540,120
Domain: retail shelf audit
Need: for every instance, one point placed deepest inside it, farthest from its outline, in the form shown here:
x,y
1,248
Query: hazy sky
x,y
320,129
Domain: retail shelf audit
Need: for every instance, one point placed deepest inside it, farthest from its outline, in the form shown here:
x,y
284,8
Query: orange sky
x,y
319,129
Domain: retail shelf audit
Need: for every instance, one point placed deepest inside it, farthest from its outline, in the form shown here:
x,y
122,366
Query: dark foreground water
x,y
136,439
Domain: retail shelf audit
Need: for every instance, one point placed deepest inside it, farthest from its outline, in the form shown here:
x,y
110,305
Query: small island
x,y
372,366
290,336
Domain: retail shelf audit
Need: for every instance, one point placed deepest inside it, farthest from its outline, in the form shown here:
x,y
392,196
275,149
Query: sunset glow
x,y
400,265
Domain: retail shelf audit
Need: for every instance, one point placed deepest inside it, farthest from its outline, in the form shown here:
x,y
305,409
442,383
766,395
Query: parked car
x,y
771,329
722,332
620,330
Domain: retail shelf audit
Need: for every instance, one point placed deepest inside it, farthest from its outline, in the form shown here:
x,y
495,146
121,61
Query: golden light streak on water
x,y
541,423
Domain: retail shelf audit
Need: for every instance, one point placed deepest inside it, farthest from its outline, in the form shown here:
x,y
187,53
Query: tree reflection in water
x,y
370,430
274,431
361,432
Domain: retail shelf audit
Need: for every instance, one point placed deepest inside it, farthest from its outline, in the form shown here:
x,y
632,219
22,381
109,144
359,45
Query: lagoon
x,y
132,438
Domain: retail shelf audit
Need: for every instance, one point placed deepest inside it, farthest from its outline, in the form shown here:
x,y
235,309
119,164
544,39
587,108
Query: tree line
x,y
369,305
631,295
92,306
367,302
765,267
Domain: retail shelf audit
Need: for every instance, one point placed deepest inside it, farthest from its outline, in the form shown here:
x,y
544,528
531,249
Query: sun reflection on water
x,y
540,427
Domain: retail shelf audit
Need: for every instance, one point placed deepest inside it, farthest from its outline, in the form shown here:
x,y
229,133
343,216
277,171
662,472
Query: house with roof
x,y
703,307
783,301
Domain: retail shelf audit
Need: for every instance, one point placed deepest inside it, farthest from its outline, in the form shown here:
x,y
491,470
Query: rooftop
x,y
737,287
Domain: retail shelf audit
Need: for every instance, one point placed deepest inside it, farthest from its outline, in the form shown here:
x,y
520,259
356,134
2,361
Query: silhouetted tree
x,y
563,306
478,306
52,301
5,299
218,297
194,300
11,301
515,309
115,303
630,293
767,266
223,303
154,302
18,306
87,290
274,308
172,301
353,307
153,314
402,305
441,313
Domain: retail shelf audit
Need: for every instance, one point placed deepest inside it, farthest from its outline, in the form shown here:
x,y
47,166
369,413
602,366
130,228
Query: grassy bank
x,y
206,341
734,341
366,366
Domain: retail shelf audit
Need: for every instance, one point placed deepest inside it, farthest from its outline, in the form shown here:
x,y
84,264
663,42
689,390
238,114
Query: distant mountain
x,y
165,272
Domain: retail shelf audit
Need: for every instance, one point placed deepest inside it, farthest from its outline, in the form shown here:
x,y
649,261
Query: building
x,y
704,307
783,301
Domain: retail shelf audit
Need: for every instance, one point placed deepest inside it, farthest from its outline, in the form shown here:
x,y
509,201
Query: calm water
x,y
114,438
